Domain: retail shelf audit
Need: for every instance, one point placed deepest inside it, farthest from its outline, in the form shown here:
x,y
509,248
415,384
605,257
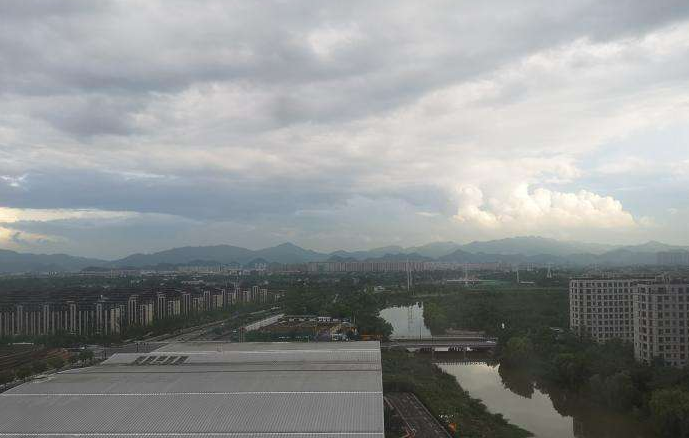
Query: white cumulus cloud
x,y
522,209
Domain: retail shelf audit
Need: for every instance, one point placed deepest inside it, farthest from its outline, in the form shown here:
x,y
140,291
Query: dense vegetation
x,y
443,396
604,374
535,344
25,370
344,299
519,309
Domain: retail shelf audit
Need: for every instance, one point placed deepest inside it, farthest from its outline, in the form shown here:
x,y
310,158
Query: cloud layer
x,y
340,125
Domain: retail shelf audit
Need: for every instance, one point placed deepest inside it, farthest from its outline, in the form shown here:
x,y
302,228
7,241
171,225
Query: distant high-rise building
x,y
673,258
114,310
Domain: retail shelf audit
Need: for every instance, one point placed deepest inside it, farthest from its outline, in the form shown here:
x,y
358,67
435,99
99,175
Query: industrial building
x,y
209,389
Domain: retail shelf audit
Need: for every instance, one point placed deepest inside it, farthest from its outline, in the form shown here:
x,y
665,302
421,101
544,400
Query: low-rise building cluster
x,y
398,266
109,312
650,312
312,327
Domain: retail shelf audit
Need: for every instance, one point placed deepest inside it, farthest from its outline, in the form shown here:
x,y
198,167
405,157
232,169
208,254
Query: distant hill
x,y
654,247
435,249
284,253
183,255
401,257
527,249
533,245
12,262
368,254
289,253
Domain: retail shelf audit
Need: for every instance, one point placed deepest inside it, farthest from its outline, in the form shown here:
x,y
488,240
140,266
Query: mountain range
x,y
527,249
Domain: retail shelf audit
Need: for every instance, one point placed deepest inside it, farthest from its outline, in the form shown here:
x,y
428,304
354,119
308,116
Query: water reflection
x,y
519,382
407,321
534,411
547,412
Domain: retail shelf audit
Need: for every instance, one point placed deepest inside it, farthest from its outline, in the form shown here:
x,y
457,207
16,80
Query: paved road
x,y
416,415
135,347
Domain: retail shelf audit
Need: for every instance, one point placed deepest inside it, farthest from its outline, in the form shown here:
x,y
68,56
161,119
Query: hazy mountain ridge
x,y
534,245
12,261
527,249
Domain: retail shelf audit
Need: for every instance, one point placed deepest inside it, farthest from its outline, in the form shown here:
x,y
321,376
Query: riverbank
x,y
444,397
534,342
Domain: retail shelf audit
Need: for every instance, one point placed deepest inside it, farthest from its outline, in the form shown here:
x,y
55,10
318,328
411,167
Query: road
x,y
416,415
203,332
100,352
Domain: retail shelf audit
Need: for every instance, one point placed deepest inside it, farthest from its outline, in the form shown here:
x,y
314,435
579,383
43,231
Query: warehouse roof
x,y
240,390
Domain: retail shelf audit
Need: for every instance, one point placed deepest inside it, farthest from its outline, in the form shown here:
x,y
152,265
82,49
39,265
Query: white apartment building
x,y
661,315
601,308
653,314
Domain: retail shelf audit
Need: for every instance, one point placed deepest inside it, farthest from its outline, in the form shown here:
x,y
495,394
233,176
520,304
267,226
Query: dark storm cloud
x,y
67,48
200,198
92,115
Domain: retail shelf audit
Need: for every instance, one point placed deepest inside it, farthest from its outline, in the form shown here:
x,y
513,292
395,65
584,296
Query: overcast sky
x,y
130,126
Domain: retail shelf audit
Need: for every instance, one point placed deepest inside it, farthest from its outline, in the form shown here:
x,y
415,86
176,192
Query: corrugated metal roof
x,y
213,434
339,394
218,346
153,379
305,355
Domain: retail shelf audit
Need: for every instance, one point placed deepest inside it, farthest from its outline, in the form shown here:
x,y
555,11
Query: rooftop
x,y
221,389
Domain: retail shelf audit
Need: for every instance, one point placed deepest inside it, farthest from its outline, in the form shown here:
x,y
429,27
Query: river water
x,y
546,414
407,321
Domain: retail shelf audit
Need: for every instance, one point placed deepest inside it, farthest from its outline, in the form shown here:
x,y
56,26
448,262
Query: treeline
x,y
488,309
345,299
25,370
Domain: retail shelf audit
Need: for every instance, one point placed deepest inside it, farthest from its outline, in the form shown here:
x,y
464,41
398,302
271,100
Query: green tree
x,y
435,317
570,369
6,376
39,366
518,350
56,362
670,412
23,372
617,391
86,355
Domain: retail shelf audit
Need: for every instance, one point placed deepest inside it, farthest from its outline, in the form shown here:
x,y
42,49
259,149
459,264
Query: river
x,y
546,414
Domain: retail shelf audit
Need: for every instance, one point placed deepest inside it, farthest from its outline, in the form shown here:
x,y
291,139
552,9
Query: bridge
x,y
444,343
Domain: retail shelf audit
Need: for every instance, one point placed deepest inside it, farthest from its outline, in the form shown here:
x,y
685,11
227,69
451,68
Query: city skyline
x,y
127,128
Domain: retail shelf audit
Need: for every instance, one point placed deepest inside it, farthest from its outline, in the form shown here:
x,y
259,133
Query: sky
x,y
129,126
